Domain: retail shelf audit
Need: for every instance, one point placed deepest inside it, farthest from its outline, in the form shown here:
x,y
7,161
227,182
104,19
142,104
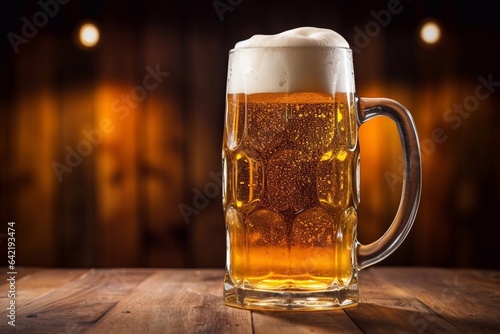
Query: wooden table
x,y
393,300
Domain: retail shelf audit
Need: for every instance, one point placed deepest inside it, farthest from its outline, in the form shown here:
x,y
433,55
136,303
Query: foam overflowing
x,y
300,60
305,36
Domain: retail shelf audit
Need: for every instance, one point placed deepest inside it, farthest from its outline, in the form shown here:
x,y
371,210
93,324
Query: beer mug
x,y
291,173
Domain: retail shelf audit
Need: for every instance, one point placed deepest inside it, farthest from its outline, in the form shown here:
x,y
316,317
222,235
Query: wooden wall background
x,y
119,206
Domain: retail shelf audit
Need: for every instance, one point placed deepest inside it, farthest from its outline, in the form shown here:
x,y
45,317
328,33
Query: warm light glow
x,y
430,33
89,35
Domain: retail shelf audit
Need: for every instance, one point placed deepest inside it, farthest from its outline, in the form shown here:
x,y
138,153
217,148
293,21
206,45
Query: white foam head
x,y
305,36
300,60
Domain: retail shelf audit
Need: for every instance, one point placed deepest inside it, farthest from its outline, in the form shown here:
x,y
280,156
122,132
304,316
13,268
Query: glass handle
x,y
369,108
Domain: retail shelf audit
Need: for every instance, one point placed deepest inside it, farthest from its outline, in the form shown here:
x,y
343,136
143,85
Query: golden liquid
x,y
290,190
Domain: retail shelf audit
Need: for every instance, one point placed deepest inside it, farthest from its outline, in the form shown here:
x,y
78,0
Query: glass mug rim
x,y
319,47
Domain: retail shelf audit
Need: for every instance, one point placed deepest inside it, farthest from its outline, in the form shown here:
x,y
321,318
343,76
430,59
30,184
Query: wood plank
x,y
303,322
384,305
75,223
77,305
160,152
204,112
118,229
35,131
469,306
35,195
176,301
481,279
21,272
37,283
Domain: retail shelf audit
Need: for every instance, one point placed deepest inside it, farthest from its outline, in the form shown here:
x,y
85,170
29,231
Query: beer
x,y
290,190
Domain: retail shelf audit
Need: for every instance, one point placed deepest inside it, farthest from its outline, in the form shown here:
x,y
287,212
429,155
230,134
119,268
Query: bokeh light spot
x,y
430,33
89,35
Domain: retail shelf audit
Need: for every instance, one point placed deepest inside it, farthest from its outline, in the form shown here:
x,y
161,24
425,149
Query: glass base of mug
x,y
290,300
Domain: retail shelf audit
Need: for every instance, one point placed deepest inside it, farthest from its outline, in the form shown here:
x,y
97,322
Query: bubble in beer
x,y
345,122
248,179
313,240
267,250
311,126
334,178
290,181
314,227
266,123
266,227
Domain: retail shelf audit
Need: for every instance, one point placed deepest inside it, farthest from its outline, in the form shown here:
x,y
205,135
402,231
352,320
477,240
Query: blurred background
x,y
111,132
